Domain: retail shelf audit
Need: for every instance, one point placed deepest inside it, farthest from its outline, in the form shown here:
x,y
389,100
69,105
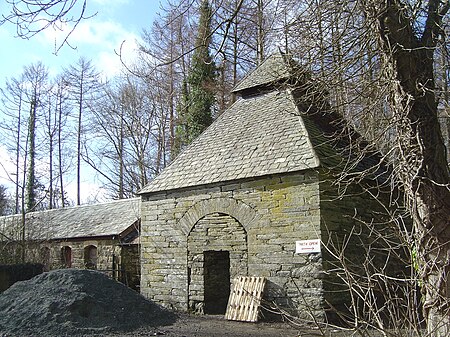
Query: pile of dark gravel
x,y
75,302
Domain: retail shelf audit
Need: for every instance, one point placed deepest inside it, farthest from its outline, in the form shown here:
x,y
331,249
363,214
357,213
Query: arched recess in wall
x,y
237,209
90,257
217,251
66,257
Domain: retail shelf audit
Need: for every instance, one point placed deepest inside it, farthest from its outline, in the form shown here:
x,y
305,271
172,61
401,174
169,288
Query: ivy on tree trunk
x,y
198,95
422,165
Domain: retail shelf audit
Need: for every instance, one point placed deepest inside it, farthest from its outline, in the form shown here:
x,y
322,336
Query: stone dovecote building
x,y
241,196
101,236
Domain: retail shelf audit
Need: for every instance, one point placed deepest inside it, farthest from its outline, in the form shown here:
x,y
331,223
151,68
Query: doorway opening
x,y
66,257
216,278
90,257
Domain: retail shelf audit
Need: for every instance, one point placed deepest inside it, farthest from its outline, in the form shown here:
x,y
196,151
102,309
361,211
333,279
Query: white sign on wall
x,y
307,246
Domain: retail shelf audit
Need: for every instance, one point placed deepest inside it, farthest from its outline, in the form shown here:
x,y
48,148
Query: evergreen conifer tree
x,y
195,108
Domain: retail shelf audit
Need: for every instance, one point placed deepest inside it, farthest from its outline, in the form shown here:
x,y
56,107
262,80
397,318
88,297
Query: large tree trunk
x,y
430,202
421,164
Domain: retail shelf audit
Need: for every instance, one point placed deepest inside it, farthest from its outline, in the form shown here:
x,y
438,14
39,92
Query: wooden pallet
x,y
245,299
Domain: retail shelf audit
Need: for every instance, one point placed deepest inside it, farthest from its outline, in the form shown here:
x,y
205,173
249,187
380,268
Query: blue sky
x,y
96,39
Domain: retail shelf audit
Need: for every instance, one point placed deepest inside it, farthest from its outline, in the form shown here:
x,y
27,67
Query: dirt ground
x,y
217,326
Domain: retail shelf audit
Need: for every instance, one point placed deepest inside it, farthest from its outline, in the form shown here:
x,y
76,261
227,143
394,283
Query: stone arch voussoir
x,y
235,208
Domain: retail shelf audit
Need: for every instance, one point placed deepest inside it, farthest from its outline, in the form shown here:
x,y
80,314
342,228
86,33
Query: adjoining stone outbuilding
x,y
101,236
242,195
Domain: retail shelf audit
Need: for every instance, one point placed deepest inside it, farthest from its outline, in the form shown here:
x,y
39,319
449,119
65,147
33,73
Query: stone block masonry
x,y
257,221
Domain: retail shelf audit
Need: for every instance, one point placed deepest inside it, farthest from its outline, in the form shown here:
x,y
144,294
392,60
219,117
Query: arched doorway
x,y
66,257
217,252
90,257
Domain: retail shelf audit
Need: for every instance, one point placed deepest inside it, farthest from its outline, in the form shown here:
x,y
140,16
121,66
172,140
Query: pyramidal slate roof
x,y
260,134
98,220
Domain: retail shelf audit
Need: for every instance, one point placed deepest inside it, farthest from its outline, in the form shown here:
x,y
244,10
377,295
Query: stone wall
x,y
272,213
108,254
361,241
49,253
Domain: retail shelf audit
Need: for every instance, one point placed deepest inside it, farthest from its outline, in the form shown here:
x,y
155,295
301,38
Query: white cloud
x,y
110,63
98,41
97,33
90,32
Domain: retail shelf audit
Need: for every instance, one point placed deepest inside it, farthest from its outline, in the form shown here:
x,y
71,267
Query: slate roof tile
x,y
262,133
273,69
106,219
261,128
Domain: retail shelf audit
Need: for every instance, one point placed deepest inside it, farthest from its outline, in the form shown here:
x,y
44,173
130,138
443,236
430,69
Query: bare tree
x,y
4,201
61,114
32,17
55,119
378,61
234,45
165,60
408,57
85,84
127,142
22,97
13,97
